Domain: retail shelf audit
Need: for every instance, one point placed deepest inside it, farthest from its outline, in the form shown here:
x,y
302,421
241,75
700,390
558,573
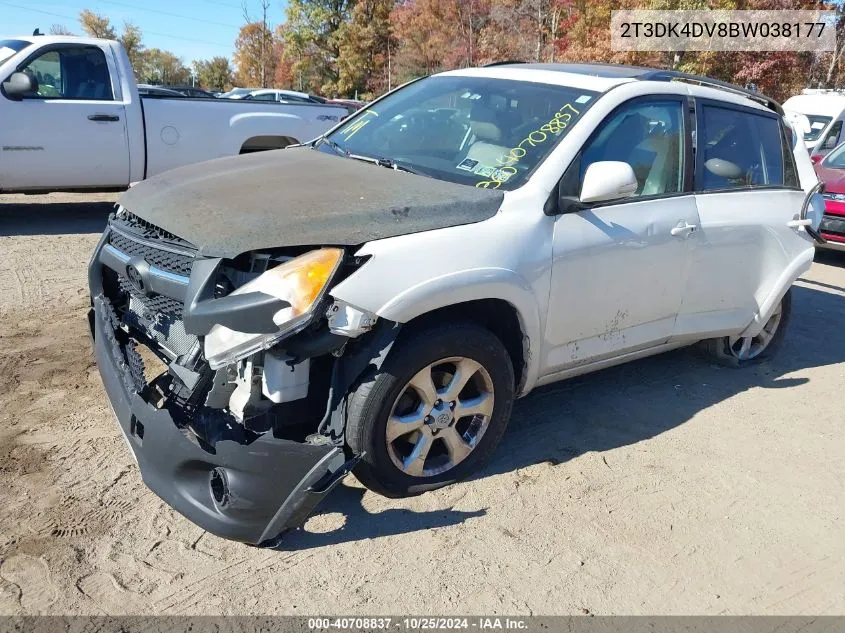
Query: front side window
x,y
71,73
478,131
738,149
267,96
649,136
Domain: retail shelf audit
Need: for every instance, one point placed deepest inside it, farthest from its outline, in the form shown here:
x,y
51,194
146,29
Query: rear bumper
x,y
262,488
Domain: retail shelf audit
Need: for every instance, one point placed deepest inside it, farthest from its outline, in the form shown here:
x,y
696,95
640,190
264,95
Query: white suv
x,y
316,312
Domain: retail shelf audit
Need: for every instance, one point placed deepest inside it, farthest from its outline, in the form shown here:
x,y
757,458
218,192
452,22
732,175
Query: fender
x,y
455,288
790,275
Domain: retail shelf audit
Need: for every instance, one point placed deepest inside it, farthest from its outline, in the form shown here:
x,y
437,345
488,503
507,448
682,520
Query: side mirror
x,y
20,84
608,180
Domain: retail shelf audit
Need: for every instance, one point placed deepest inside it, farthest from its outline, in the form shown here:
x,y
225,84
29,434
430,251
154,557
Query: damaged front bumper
x,y
248,493
250,488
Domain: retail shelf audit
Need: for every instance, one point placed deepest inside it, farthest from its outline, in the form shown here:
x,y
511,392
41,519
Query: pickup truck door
x,y
748,197
619,268
72,132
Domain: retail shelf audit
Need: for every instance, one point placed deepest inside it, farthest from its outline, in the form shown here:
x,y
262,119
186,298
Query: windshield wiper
x,y
337,148
387,162
381,162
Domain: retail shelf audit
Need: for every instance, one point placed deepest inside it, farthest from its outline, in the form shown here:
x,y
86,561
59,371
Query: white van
x,y
825,110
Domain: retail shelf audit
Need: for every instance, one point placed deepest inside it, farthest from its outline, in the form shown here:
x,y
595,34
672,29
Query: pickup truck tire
x,y
732,351
449,355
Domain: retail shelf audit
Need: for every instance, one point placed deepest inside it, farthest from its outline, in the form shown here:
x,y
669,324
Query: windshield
x,y
836,159
817,126
10,47
478,131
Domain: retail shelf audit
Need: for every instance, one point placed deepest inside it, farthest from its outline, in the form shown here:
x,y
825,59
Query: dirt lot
x,y
668,486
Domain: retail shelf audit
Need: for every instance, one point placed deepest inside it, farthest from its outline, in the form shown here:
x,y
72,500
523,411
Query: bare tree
x,y
265,4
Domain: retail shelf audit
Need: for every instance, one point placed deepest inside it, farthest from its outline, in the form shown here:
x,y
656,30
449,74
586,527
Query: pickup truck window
x,y
10,47
479,131
71,73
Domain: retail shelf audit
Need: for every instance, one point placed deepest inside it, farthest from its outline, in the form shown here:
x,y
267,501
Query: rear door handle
x,y
103,117
683,229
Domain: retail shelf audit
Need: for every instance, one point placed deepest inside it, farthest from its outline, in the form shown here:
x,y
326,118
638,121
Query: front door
x,y
619,268
72,132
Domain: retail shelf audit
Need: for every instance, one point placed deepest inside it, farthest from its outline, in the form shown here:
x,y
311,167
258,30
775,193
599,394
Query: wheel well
x,y
264,143
497,315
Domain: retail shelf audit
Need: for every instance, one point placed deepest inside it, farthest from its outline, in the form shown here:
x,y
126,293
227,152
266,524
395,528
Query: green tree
x,y
163,68
313,41
96,25
214,73
131,41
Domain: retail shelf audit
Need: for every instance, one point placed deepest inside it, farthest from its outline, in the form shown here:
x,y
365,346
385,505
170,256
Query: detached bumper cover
x,y
270,484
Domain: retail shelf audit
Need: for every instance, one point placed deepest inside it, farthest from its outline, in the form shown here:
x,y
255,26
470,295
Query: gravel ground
x,y
666,486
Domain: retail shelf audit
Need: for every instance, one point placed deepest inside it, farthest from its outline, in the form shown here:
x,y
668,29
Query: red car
x,y
831,170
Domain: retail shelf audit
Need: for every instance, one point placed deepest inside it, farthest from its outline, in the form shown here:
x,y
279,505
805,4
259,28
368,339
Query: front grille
x,y
833,224
156,317
154,303
175,263
131,223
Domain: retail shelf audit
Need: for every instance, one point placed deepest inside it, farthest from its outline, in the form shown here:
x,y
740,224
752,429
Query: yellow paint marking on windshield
x,y
558,123
357,125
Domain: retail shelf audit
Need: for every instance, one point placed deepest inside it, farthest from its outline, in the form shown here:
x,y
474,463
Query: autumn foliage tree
x,y
255,56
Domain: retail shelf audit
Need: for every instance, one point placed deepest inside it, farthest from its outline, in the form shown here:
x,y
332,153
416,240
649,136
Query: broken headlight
x,y
300,282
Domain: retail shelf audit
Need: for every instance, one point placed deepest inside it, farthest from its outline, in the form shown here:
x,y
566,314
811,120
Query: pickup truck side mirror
x,y
20,84
608,180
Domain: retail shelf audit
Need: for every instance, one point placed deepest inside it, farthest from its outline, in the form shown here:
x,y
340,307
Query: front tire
x,y
736,351
434,412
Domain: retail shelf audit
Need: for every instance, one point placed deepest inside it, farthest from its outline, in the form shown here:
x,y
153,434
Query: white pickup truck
x,y
72,120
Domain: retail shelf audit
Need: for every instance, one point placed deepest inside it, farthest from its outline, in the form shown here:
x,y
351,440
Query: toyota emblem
x,y
135,278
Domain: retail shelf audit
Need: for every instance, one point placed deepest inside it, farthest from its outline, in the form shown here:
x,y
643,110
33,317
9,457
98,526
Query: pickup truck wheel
x,y
739,351
434,412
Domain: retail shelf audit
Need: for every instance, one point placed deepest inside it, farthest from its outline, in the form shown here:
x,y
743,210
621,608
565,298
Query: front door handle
x,y
103,117
683,229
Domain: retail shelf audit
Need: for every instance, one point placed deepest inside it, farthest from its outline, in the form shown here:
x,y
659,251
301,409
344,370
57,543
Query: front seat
x,y
486,149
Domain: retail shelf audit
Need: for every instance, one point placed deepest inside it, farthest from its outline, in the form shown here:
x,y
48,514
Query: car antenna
x,y
37,32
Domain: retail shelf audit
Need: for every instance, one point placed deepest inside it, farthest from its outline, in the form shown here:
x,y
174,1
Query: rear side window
x,y
71,73
738,149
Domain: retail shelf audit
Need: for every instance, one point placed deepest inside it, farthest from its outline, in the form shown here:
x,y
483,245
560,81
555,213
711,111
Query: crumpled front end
x,y
233,448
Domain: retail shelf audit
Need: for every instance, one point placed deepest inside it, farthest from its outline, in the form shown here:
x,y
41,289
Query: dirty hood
x,y
300,197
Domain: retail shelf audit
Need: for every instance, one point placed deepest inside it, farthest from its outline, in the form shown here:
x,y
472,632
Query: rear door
x,y
747,192
72,132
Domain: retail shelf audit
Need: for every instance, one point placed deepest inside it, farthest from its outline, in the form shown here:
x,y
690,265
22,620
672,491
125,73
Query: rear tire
x,y
733,351
454,445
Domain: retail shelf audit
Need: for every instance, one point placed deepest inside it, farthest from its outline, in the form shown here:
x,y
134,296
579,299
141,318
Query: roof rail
x,y
674,75
504,63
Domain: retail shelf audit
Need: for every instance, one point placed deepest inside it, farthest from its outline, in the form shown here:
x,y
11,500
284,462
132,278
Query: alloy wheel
x,y
439,416
748,347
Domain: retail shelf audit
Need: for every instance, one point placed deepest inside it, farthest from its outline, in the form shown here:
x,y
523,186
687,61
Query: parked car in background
x,y
282,96
831,171
351,105
825,112
192,91
92,128
377,299
236,93
147,90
